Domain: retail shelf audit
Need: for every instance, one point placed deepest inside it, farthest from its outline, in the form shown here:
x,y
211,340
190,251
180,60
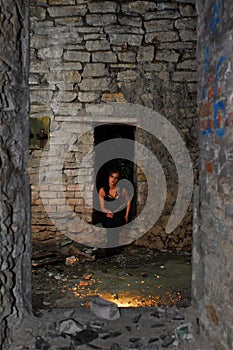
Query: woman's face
x,y
113,178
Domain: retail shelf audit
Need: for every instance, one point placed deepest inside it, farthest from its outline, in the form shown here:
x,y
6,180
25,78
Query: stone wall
x,y
84,53
213,253
15,251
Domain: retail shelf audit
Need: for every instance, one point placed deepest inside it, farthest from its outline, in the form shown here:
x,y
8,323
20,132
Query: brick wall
x,y
84,53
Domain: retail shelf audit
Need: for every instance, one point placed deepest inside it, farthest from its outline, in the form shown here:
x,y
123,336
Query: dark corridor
x,y
114,157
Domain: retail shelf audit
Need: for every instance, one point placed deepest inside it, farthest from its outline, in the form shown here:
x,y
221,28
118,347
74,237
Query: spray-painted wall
x,y
213,251
15,245
84,53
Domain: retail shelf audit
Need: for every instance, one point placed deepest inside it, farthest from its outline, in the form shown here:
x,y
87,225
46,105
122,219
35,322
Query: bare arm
x,y
101,200
128,201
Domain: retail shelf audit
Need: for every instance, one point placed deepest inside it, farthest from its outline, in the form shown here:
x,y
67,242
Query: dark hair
x,y
113,171
106,184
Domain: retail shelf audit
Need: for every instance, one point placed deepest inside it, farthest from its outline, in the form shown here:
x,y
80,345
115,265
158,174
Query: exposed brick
x,y
209,167
204,109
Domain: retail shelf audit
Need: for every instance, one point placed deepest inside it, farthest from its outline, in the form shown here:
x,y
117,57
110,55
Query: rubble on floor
x,y
146,328
131,277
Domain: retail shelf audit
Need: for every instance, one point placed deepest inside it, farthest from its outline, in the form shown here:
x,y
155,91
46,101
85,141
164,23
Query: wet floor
x,y
130,277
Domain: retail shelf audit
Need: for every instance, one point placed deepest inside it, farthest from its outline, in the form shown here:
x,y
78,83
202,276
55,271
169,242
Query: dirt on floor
x,y
130,276
150,292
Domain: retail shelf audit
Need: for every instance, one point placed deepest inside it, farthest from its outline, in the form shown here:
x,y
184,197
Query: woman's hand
x,y
109,215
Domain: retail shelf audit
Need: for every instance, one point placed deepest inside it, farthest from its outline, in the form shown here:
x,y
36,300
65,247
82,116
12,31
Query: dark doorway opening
x,y
124,161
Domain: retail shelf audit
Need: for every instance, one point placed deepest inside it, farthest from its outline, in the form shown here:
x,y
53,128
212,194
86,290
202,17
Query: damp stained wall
x,y
213,253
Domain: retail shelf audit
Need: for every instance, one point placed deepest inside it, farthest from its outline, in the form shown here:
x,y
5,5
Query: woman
x,y
115,206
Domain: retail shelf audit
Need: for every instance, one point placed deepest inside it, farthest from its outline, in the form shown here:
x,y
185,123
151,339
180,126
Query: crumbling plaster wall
x,y
15,244
213,252
90,52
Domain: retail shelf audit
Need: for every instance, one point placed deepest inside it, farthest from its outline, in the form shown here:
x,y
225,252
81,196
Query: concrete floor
x,y
157,285
133,276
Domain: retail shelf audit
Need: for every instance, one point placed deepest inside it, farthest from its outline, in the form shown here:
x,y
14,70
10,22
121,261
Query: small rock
x,y
134,340
88,276
167,341
46,303
85,337
70,327
37,313
96,325
184,332
89,251
111,335
155,314
105,309
178,317
152,340
71,260
83,283
57,277
161,310
136,318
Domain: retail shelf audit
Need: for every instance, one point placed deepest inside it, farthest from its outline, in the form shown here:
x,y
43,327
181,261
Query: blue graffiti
x,y
216,19
218,105
208,131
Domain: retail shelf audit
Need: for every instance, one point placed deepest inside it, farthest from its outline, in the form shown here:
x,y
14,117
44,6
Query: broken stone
x,y
179,317
88,276
70,327
134,340
155,314
57,277
184,332
85,337
167,341
83,284
136,318
111,335
46,303
152,340
96,325
37,313
104,309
